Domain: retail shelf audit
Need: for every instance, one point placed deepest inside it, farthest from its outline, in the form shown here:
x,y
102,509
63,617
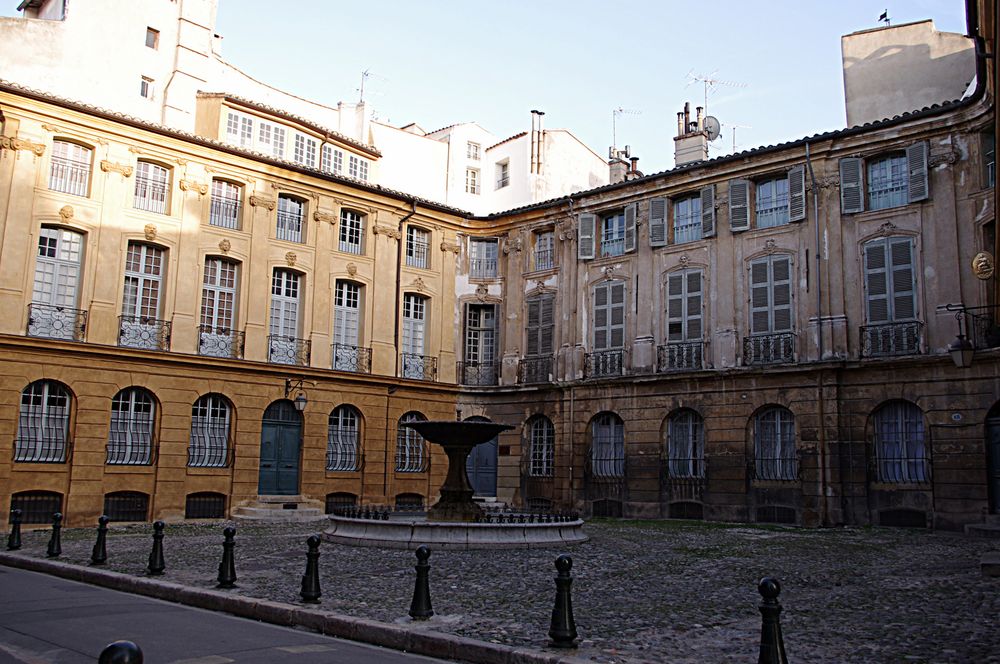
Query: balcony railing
x,y
50,322
289,226
282,349
478,373
544,259
483,268
613,246
150,195
351,358
680,356
224,212
220,341
419,367
416,253
984,330
769,348
534,370
69,176
143,332
604,363
891,339
503,181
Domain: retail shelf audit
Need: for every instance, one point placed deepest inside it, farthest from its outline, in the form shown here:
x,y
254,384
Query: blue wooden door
x,y
280,450
482,468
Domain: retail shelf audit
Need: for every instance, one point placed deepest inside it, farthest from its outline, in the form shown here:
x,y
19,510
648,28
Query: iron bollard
x,y
310,580
55,542
121,652
14,538
420,607
772,645
156,563
562,631
227,568
99,555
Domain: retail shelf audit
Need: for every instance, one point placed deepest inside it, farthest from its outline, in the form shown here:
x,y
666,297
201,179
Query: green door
x,y
280,448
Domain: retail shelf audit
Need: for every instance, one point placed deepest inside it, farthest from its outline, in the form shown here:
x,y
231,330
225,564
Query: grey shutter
x,y
617,311
532,348
760,297
708,211
739,205
630,213
585,236
781,294
904,301
876,282
657,222
916,163
797,193
675,307
693,306
601,316
852,197
546,322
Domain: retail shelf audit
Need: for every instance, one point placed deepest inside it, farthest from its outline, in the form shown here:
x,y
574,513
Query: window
x,y
472,180
774,445
352,226
152,183
343,439
43,423
768,202
503,174
346,325
146,87
613,234
607,454
357,167
414,312
417,243
889,180
409,445
271,138
57,282
480,344
685,444
989,159
332,159
284,317
239,129
900,449
483,258
363,171
69,169
291,214
141,326
687,220
609,315
542,446
130,440
126,506
770,311
617,233
540,326
218,308
683,219
205,505
544,251
890,294
304,151
684,320
36,506
225,206
472,152
152,38
210,427
772,202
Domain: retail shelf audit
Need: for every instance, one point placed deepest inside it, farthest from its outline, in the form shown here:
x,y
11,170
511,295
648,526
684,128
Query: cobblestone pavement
x,y
650,591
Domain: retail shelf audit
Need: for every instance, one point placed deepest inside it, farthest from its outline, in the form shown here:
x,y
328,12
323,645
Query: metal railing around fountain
x,y
490,514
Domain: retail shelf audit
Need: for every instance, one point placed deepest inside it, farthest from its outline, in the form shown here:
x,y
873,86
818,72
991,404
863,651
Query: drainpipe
x,y
399,277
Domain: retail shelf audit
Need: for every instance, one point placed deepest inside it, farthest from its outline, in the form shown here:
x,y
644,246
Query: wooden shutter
x,y
675,307
546,322
797,193
904,301
852,196
657,222
739,205
760,297
781,294
587,224
693,305
532,348
684,306
630,212
617,314
876,282
916,163
708,210
601,316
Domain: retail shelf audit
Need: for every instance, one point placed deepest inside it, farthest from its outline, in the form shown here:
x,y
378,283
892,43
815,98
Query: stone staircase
x,y
990,527
280,509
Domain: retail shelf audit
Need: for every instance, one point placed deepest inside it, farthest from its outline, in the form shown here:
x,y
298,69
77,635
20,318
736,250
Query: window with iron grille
x,y
43,423
542,446
480,334
152,187
130,439
686,444
352,227
409,501
409,446
69,168
613,234
37,506
901,454
336,502
414,323
205,505
417,243
774,445
483,258
544,253
126,506
57,279
771,202
210,432
687,219
343,439
143,278
888,178
291,216
607,453
218,308
225,206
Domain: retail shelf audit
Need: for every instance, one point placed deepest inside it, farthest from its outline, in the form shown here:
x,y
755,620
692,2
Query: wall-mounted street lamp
x,y
300,400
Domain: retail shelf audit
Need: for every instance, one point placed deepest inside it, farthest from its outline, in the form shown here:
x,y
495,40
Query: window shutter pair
x,y
541,323
852,193
684,306
771,295
609,315
889,280
658,220
739,199
587,233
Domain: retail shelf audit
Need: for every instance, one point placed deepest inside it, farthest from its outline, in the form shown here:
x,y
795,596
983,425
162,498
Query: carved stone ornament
x,y
352,269
609,271
149,230
770,245
513,245
180,161
482,292
540,284
386,230
11,143
66,212
983,265
191,185
290,258
114,166
418,285
684,260
225,245
260,201
567,231
888,228
949,156
325,216
451,246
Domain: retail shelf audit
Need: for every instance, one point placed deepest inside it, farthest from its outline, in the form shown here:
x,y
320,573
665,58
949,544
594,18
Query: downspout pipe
x,y
399,277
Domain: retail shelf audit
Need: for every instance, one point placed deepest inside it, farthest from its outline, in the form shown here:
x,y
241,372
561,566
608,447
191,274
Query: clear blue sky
x,y
438,62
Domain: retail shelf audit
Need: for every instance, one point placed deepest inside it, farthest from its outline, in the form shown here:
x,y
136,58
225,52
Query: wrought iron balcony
x,y
143,332
534,370
224,212
483,268
44,443
50,322
282,349
984,326
478,373
891,339
769,348
604,363
419,367
220,341
352,358
680,356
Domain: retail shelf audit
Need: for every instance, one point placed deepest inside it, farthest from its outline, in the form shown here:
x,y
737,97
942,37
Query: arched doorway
x,y
280,447
481,466
993,457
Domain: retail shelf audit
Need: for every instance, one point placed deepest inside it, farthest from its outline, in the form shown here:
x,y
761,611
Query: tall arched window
x,y
542,445
900,448
219,295
343,439
54,298
774,445
607,452
130,440
210,427
152,187
409,445
140,325
686,444
69,170
43,423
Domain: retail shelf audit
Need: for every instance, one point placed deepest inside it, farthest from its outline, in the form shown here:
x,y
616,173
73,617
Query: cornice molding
x,y
11,143
114,166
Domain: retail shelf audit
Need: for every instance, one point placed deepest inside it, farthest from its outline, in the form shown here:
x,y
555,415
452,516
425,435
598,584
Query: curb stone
x,y
397,637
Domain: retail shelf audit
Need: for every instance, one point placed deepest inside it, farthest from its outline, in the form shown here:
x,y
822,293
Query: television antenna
x,y
365,75
615,113
709,83
734,127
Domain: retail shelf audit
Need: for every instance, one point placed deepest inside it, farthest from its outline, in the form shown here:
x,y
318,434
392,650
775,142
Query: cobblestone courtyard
x,y
643,591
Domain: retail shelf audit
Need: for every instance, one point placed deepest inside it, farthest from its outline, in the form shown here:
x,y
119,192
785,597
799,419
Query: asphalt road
x,y
47,620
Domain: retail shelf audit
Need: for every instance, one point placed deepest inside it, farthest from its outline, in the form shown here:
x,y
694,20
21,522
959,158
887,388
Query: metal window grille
x,y
605,363
679,356
769,348
210,443
290,216
892,339
503,175
69,170
409,446
130,439
417,242
534,370
37,506
544,254
54,322
613,235
888,182
343,437
43,423
351,231
224,208
772,203
340,501
607,453
140,324
483,259
205,505
418,367
686,445
152,183
126,506
478,373
352,358
409,501
288,350
901,454
543,442
687,220
774,446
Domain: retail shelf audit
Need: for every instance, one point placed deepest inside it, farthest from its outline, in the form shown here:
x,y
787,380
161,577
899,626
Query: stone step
x,y
272,515
988,530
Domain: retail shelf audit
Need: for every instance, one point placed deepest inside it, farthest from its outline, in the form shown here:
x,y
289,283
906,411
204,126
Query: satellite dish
x,y
712,127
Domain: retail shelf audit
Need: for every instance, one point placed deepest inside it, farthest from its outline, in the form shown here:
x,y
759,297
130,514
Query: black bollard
x,y
99,555
227,568
563,628
772,645
55,542
121,652
310,580
156,563
420,607
14,538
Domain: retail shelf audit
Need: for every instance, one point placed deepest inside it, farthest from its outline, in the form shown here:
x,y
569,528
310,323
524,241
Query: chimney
x,y
618,170
691,142
634,169
541,142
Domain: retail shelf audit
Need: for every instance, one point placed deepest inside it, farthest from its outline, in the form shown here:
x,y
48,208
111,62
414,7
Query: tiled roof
x,y
511,138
